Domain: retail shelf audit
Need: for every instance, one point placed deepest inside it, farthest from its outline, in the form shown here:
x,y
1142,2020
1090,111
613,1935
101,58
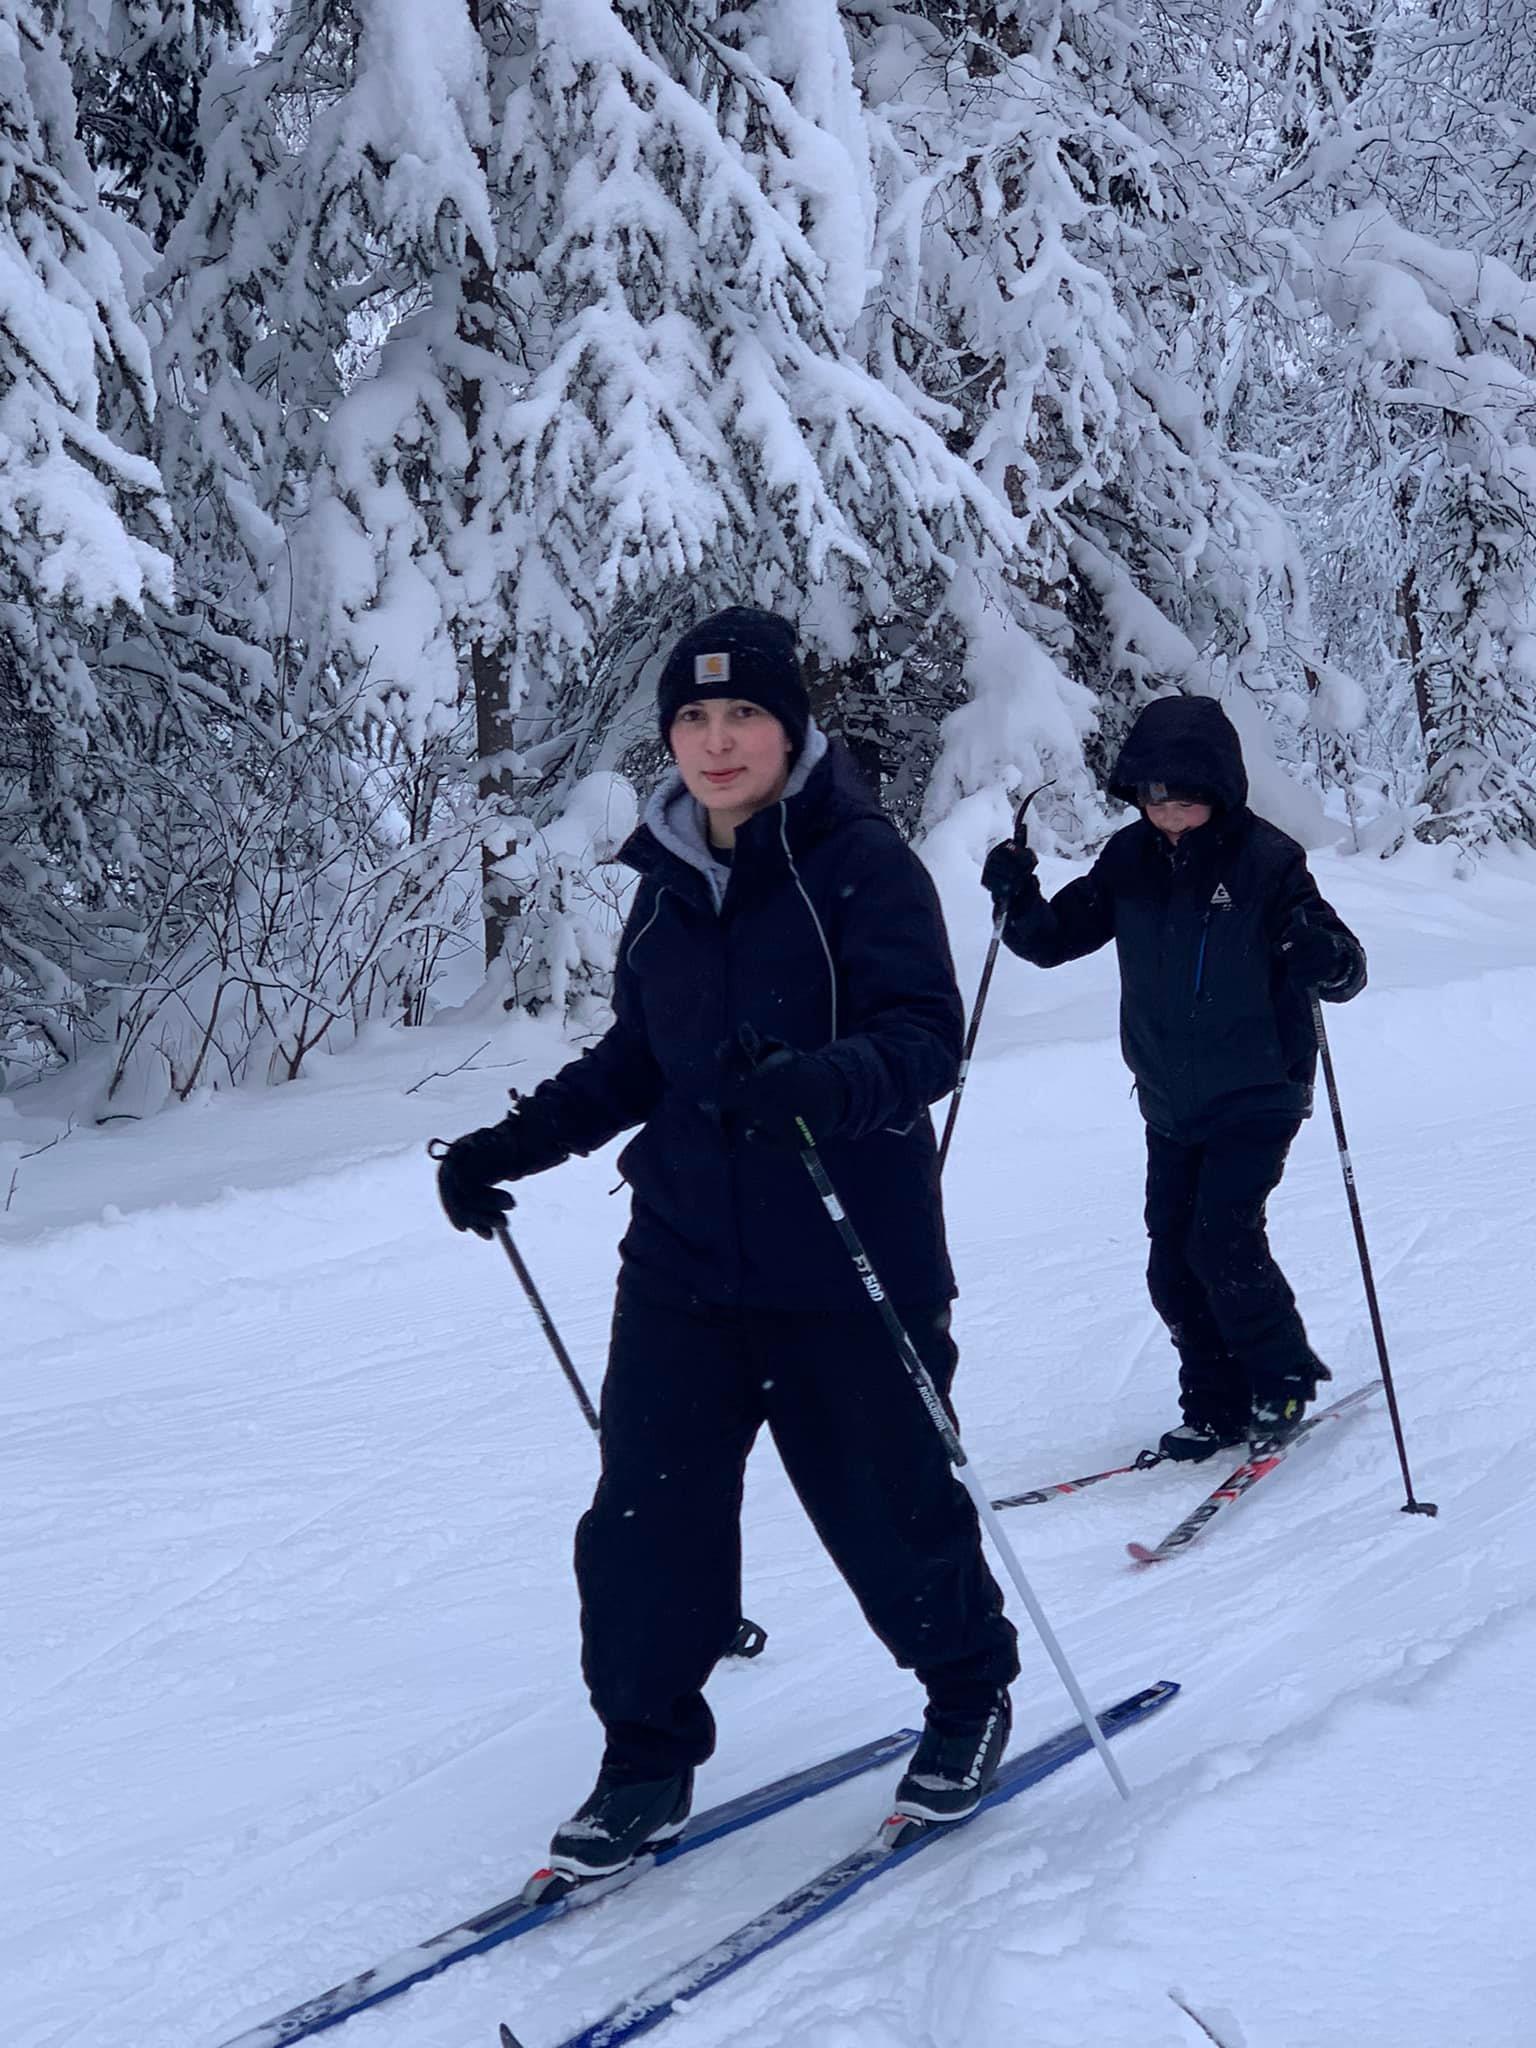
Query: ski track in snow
x,y
287,1487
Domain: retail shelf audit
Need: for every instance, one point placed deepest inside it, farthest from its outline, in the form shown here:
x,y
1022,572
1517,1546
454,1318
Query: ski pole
x,y
1411,1506
1000,918
547,1325
438,1149
751,1637
938,1415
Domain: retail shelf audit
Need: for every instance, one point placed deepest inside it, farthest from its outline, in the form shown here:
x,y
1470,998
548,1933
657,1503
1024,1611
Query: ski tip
x,y
508,2038
1138,1553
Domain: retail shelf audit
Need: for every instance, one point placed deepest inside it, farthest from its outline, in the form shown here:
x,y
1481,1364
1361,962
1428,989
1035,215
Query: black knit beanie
x,y
743,653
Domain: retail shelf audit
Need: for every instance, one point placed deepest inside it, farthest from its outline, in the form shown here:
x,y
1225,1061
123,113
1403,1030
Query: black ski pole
x,y
547,1325
938,1415
438,1149
750,1638
999,919
1411,1506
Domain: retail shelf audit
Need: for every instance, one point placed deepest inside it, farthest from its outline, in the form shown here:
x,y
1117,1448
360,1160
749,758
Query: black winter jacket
x,y
825,933
1210,1024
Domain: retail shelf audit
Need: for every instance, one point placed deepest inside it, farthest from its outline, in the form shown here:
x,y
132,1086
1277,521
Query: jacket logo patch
x,y
1221,900
711,668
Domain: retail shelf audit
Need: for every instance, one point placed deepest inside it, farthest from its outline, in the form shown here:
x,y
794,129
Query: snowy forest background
x,y
384,383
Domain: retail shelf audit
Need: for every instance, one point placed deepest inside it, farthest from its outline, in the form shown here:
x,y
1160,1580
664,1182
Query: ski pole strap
x,y
917,1372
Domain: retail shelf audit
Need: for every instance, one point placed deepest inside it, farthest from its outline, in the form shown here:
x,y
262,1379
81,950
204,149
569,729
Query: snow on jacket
x,y
825,933
1211,1026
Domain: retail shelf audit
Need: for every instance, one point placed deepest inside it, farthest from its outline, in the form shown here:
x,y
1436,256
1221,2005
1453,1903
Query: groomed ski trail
x,y
287,1485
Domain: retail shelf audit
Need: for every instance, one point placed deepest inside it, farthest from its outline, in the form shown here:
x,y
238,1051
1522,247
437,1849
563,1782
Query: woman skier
x,y
784,958
1223,939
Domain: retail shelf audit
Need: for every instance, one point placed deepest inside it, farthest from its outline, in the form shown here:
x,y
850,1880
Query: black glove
x,y
468,1171
1008,876
767,1098
1313,956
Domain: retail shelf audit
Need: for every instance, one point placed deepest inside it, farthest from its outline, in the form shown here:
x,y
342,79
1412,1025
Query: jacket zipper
x,y
629,956
730,1136
1205,933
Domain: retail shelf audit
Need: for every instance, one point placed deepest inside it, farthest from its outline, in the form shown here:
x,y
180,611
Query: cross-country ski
x,y
896,1844
1260,1462
515,1917
1144,1461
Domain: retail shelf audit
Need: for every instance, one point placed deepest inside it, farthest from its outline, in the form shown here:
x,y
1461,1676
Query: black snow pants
x,y
1212,1277
658,1554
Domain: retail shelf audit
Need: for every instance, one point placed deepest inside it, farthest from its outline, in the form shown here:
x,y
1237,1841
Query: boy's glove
x,y
1009,878
767,1097
470,1167
1314,957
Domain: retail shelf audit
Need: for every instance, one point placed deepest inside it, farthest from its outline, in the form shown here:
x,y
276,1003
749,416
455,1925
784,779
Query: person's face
x,y
733,756
1176,815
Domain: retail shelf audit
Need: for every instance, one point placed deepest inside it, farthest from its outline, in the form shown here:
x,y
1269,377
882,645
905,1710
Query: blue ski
x,y
811,1901
512,1917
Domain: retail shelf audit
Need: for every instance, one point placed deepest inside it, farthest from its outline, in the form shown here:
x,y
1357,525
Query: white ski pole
x,y
918,1373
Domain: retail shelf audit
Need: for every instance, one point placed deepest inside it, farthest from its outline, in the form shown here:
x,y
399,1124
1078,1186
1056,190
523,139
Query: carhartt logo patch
x,y
711,668
1221,900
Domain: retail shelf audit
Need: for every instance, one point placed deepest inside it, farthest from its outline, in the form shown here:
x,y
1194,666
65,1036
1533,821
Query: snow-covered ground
x,y
287,1485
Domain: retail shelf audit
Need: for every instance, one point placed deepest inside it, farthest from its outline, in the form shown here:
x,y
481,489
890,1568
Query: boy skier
x,y
774,898
1223,940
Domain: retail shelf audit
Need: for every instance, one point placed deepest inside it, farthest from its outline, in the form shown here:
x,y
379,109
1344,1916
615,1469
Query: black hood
x,y
1187,742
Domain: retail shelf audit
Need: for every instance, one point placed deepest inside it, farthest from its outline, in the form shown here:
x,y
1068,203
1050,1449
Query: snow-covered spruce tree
x,y
673,385
1448,369
704,421
84,524
637,393
252,329
331,310
1457,87
139,68
394,210
1402,165
1063,249
313,885
1279,74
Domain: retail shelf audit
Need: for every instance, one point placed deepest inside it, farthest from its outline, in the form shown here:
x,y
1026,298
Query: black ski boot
x,y
621,1820
1193,1442
1280,1408
949,1775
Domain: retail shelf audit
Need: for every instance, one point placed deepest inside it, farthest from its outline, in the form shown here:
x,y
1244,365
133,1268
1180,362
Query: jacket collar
x,y
1202,848
674,821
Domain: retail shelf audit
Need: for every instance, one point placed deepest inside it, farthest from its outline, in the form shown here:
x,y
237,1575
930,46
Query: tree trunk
x,y
494,710
1413,641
